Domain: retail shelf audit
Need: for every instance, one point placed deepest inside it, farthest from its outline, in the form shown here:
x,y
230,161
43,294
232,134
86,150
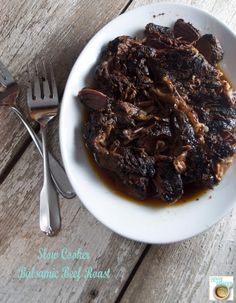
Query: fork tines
x,y
42,86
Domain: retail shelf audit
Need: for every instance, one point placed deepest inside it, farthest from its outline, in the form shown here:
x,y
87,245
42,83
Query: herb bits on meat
x,y
161,115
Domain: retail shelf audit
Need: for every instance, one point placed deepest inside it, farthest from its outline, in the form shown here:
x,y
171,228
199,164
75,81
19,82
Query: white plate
x,y
151,225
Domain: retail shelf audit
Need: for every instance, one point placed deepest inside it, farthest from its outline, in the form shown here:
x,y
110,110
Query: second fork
x,y
43,104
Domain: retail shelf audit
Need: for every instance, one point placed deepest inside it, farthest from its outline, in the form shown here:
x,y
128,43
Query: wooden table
x,y
139,272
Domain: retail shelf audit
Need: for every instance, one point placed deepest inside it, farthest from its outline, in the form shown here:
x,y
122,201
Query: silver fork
x,y
8,95
43,104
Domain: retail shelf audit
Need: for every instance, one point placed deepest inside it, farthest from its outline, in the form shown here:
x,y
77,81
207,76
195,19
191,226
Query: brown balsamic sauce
x,y
110,181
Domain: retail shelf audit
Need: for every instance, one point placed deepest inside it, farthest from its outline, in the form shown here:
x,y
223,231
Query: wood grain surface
x,y
54,30
58,30
180,272
21,239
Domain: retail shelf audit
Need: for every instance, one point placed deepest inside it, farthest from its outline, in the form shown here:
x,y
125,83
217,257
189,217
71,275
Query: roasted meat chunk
x,y
186,31
210,47
161,116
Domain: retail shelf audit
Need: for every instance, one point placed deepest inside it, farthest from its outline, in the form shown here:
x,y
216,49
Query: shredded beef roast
x,y
161,115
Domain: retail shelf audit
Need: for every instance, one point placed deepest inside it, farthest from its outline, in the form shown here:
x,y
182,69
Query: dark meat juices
x,y
191,193
162,118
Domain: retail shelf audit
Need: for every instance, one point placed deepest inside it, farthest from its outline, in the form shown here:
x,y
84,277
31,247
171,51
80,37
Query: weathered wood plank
x,y
180,272
21,239
57,30
19,232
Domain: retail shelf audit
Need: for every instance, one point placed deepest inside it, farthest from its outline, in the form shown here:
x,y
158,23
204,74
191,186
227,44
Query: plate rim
x,y
63,151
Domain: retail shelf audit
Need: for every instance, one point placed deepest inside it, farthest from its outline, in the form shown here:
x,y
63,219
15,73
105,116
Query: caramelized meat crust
x,y
161,115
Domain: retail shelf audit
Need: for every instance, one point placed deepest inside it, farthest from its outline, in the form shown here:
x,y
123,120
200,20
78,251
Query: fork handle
x,y
50,220
58,174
